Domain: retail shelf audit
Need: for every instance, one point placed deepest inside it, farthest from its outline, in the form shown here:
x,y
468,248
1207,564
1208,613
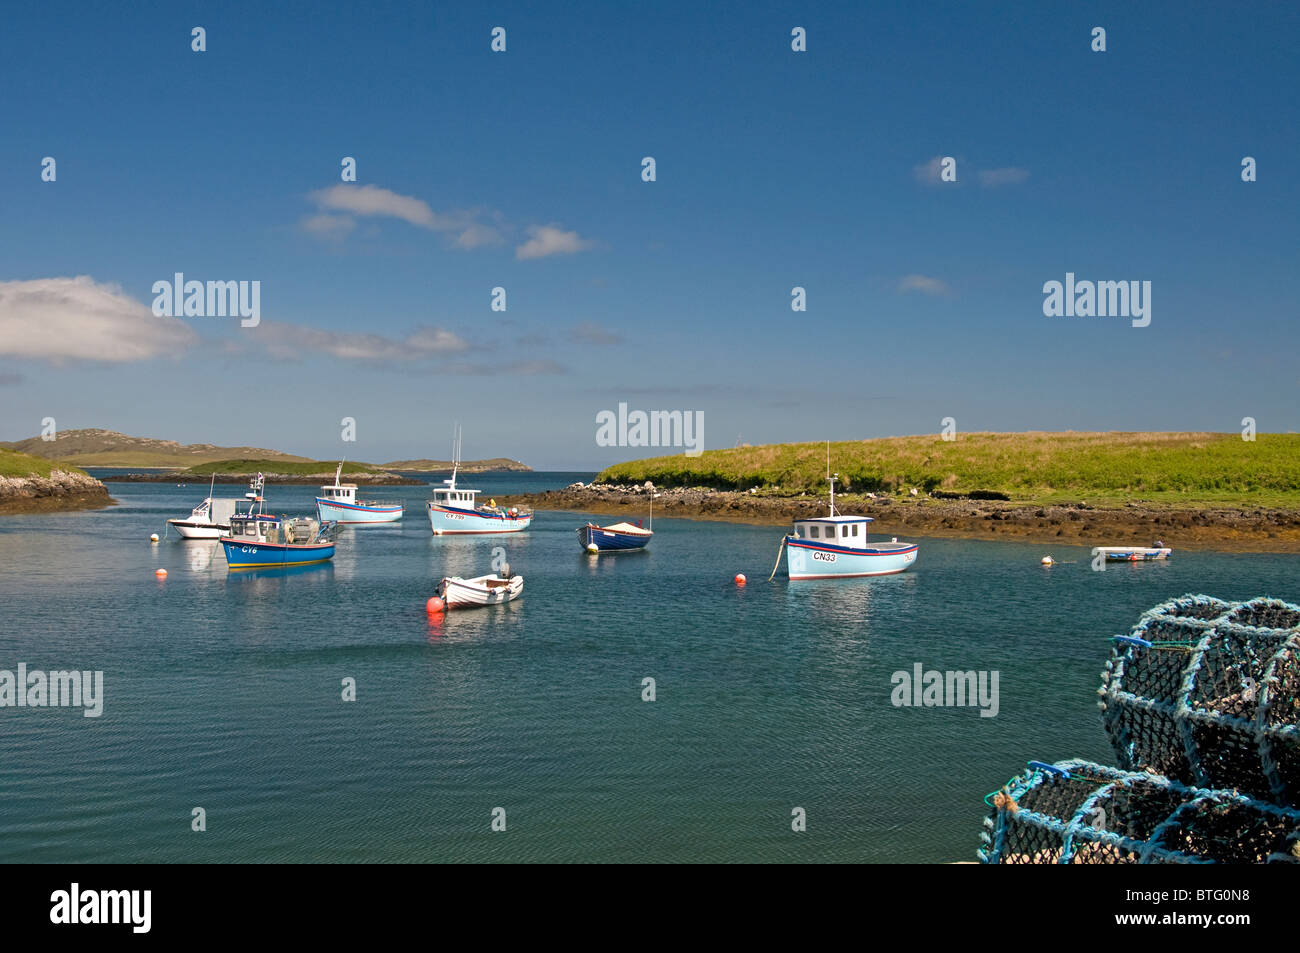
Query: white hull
x,y
460,593
809,560
452,522
188,530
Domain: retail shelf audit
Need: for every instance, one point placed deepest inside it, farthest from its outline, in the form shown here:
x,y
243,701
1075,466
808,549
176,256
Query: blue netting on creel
x,y
1076,812
1207,693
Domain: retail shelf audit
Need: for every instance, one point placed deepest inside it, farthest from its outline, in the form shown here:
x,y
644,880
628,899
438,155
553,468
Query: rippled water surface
x,y
224,691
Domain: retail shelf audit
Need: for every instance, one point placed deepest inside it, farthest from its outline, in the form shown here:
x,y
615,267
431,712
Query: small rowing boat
x,y
1133,554
458,593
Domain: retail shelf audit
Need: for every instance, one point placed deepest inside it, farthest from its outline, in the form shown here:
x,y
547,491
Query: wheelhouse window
x,y
812,532
855,529
844,530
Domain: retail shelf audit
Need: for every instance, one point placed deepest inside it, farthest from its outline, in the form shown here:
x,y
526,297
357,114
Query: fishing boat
x,y
836,546
454,510
209,519
260,540
1133,554
458,593
339,503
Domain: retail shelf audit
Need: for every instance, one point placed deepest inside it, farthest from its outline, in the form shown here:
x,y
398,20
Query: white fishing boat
x,y
454,510
209,520
836,546
458,593
339,503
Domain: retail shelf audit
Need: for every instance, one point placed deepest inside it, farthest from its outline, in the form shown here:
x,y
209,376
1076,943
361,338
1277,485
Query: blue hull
x,y
610,541
811,560
356,513
243,554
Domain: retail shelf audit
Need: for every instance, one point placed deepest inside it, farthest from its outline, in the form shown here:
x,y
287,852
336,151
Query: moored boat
x,y
455,511
1133,554
339,504
836,546
260,540
615,538
458,593
209,519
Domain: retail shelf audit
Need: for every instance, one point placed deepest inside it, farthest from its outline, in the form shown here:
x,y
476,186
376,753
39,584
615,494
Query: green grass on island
x,y
281,467
1101,468
15,464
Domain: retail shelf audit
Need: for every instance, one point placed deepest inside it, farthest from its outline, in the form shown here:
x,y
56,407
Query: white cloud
x,y
284,340
589,332
927,173
371,201
546,240
924,284
328,226
1010,175
60,319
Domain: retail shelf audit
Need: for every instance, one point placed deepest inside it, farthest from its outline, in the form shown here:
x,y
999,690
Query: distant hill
x,y
108,448
466,466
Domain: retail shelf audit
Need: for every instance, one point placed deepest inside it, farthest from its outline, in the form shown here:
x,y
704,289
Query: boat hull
x,y
601,540
357,512
808,560
249,554
1123,554
460,593
447,521
188,529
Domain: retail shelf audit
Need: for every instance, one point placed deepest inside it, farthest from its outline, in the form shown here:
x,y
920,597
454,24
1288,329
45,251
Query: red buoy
x,y
434,605
740,578
160,573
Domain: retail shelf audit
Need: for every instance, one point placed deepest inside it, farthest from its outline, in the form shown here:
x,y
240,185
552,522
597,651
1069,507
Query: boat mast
x,y
337,474
830,477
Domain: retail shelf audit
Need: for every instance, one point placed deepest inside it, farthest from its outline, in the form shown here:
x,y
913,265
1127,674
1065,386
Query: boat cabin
x,y
339,493
258,526
849,532
454,497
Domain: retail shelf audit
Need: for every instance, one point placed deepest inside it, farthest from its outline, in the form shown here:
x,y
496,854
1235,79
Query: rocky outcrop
x,y
1254,529
61,490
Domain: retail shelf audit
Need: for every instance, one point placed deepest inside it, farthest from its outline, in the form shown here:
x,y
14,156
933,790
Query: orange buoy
x,y
740,578
160,573
434,605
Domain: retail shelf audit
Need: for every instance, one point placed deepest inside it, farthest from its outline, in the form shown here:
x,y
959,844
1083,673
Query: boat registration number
x,y
824,557
248,549
453,516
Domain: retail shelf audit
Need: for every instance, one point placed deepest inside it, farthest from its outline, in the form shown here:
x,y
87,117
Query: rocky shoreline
x,y
298,479
1224,528
60,491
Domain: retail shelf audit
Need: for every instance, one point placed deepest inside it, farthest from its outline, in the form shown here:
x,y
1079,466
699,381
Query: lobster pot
x,y
1076,812
1207,693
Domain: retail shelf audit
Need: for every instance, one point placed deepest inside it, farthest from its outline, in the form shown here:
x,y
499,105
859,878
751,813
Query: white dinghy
x,y
458,593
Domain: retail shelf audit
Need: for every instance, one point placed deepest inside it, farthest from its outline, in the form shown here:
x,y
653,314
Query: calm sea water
x,y
224,691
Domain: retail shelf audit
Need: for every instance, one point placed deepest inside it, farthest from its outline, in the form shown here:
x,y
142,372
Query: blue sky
x,y
522,170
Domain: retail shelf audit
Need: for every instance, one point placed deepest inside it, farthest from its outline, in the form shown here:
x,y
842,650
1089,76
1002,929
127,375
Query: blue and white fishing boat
x,y
836,546
454,510
339,503
260,540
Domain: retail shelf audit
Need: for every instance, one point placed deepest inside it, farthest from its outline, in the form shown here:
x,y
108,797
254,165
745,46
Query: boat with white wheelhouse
x,y
339,503
455,510
261,540
836,546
